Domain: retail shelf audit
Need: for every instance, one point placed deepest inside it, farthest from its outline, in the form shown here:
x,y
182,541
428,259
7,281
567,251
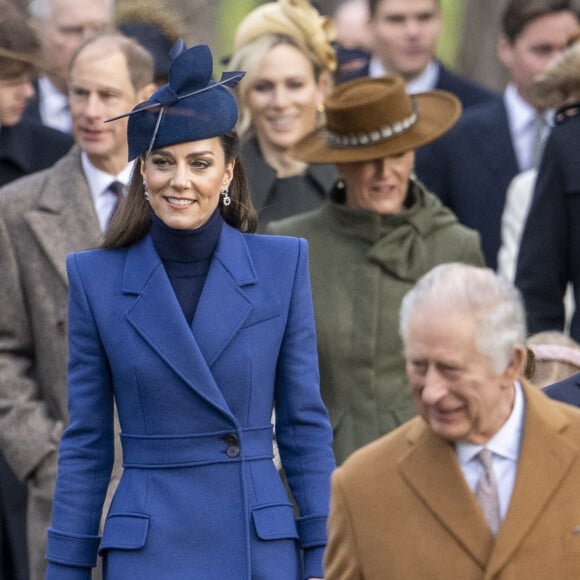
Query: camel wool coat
x,y
401,508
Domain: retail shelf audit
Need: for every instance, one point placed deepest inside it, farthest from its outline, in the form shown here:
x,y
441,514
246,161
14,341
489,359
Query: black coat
x,y
29,147
549,255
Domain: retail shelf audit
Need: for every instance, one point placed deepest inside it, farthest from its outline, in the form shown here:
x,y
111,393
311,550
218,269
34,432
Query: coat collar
x,y
432,471
222,310
64,218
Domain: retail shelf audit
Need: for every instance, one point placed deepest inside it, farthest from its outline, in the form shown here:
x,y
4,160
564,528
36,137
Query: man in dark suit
x,y
43,217
24,148
567,391
472,166
484,482
404,35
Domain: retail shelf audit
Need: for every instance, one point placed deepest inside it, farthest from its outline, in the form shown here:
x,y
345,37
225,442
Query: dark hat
x,y
189,107
151,37
368,119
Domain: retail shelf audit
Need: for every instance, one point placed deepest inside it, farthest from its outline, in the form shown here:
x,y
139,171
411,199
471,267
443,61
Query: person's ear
x,y
505,51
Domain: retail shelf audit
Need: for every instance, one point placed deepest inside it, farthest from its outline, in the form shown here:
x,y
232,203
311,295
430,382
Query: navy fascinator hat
x,y
190,107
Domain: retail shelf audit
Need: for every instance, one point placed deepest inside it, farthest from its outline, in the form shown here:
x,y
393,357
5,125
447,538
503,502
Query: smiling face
x,y
380,185
455,387
405,34
184,181
283,98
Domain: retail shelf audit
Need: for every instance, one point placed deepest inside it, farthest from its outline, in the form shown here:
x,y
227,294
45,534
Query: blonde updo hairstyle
x,y
293,22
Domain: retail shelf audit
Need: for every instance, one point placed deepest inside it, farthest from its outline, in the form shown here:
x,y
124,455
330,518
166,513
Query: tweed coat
x,y
200,497
362,263
43,217
401,508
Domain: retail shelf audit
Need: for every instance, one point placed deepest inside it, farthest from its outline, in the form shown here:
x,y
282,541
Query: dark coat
x,y
567,391
29,147
200,496
470,169
549,255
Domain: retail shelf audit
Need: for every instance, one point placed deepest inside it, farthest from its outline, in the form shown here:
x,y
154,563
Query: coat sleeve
x,y
340,560
86,450
541,271
303,430
23,414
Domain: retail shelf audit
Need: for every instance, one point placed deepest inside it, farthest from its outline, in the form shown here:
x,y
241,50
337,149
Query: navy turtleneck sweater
x,y
186,255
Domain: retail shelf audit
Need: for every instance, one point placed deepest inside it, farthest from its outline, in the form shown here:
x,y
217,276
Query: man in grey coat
x,y
43,217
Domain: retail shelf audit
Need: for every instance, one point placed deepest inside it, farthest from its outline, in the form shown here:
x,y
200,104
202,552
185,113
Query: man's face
x,y
14,95
67,26
455,387
100,88
404,35
530,53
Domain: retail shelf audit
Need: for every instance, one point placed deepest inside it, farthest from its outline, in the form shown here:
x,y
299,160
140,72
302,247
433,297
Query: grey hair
x,y
40,9
496,305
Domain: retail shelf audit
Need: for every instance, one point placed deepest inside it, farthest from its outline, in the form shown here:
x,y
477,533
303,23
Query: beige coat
x,y
401,509
43,217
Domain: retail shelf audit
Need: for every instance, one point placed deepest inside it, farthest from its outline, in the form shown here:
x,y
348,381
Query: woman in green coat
x,y
380,231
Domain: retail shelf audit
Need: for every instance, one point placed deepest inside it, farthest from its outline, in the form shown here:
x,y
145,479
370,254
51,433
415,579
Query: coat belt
x,y
165,451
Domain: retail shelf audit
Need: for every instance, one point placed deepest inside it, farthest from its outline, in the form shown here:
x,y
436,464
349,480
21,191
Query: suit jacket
x,y
43,217
551,235
567,391
401,507
470,169
29,147
200,496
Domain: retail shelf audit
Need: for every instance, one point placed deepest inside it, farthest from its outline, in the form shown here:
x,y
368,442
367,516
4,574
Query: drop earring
x,y
145,191
226,199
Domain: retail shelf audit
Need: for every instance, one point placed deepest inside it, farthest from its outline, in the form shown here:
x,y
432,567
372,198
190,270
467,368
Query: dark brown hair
x,y
374,3
133,219
519,13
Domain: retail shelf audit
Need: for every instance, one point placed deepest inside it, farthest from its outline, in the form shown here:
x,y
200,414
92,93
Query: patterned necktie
x,y
487,493
118,189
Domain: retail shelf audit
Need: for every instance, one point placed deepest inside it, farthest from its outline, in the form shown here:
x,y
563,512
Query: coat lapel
x,y
545,459
157,316
65,219
224,306
432,471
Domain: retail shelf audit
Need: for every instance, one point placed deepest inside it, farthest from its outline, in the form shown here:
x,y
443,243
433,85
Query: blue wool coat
x,y
200,497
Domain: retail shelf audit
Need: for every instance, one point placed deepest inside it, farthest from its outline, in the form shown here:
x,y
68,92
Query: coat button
x,y
231,439
233,451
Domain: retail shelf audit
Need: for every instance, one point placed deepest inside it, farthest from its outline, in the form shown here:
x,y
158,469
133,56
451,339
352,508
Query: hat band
x,y
337,141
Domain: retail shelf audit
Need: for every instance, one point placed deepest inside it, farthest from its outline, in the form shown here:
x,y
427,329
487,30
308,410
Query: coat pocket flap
x,y
125,532
275,522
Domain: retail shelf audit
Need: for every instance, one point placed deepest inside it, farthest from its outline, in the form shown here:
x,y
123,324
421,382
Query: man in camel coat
x,y
420,503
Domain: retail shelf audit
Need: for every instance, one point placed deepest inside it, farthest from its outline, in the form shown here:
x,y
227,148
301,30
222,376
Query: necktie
x,y
118,189
487,493
541,130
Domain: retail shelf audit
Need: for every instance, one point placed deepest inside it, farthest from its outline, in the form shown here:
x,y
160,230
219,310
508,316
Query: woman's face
x,y
284,97
380,185
184,181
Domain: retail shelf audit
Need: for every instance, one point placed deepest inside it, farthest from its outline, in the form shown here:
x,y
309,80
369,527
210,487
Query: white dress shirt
x,y
54,109
522,118
505,446
426,81
99,183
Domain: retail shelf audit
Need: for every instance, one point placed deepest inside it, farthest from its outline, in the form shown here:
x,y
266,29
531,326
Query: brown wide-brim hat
x,y
371,118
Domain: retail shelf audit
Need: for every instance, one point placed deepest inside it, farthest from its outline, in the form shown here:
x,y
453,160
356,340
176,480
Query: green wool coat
x,y
361,265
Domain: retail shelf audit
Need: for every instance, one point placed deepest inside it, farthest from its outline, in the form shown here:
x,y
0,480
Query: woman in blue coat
x,y
196,329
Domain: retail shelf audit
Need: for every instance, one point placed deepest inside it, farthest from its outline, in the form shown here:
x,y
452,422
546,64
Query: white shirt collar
x,y
53,104
99,183
520,112
426,81
506,442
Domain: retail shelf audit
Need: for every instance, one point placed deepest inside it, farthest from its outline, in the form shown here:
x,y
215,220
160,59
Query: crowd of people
x,y
286,322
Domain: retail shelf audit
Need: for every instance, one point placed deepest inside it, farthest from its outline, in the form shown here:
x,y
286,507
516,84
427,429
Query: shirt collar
x,y
426,81
506,442
520,113
98,180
